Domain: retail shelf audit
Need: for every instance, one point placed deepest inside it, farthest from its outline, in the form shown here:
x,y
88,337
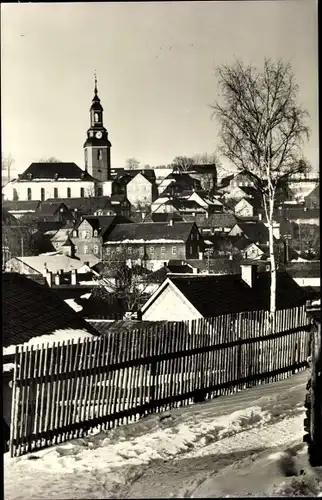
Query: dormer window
x,y
56,176
75,233
29,176
95,233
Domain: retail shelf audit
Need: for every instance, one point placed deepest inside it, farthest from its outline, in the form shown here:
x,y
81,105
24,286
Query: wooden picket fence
x,y
66,390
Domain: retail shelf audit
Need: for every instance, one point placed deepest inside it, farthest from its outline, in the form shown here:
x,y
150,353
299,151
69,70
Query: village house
x,y
92,231
211,203
312,199
20,208
186,297
179,183
54,210
300,214
33,314
138,185
53,261
216,223
116,204
256,232
154,244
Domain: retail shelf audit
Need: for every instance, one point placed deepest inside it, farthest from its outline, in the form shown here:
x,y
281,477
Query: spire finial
x,y
95,80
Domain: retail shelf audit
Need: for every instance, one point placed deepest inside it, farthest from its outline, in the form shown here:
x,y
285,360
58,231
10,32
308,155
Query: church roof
x,y
52,171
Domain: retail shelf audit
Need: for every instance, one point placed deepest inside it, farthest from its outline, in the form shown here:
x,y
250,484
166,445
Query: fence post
x,y
239,353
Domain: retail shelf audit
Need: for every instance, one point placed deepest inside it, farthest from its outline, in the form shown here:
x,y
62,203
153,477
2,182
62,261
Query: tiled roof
x,y
87,204
16,206
52,171
162,217
31,310
212,295
184,204
50,207
256,232
299,212
218,220
151,231
304,269
56,262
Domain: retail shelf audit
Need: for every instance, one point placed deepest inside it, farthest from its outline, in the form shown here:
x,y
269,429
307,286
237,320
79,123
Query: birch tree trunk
x,y
272,306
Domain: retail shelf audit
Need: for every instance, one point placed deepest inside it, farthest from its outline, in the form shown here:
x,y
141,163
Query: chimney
x,y
73,277
249,273
195,270
260,217
171,222
57,279
200,255
49,278
276,230
286,251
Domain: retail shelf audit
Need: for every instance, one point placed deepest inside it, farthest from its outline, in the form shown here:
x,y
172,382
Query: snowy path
x,y
170,455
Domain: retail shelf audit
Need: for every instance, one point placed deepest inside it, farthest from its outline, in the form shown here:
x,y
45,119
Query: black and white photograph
x,y
161,320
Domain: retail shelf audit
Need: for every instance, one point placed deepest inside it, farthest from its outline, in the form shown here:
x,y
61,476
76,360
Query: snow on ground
x,y
152,456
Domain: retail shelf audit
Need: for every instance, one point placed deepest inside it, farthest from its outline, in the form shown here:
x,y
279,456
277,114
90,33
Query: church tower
x,y
97,147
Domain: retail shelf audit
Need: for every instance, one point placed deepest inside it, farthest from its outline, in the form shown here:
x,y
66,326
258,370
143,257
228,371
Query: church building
x,y
67,180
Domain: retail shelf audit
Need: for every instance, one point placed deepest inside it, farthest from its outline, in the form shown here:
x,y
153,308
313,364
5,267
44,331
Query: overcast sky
x,y
156,72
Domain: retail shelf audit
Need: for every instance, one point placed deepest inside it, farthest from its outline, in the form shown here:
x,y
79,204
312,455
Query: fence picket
x,y
64,390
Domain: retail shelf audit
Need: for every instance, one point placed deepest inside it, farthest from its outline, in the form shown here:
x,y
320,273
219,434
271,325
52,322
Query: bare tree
x,y
126,277
132,163
262,131
51,159
182,163
6,168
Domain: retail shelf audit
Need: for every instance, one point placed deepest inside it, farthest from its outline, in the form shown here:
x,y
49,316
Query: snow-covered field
x,y
187,452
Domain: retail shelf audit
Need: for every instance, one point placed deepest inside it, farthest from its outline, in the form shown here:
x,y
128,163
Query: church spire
x,y
95,83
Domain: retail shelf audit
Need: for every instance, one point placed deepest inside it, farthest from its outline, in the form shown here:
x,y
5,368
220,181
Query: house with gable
x,y
186,297
139,186
54,210
92,231
211,203
312,199
154,244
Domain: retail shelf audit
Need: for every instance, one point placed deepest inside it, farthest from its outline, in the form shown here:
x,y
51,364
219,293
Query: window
x,y
29,194
96,249
75,233
141,250
191,236
108,251
55,192
129,250
163,250
174,250
99,191
42,194
191,250
118,249
69,192
82,193
152,250
85,249
86,158
85,234
95,233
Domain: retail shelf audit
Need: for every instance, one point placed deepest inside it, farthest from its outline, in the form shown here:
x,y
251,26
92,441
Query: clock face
x,y
99,135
